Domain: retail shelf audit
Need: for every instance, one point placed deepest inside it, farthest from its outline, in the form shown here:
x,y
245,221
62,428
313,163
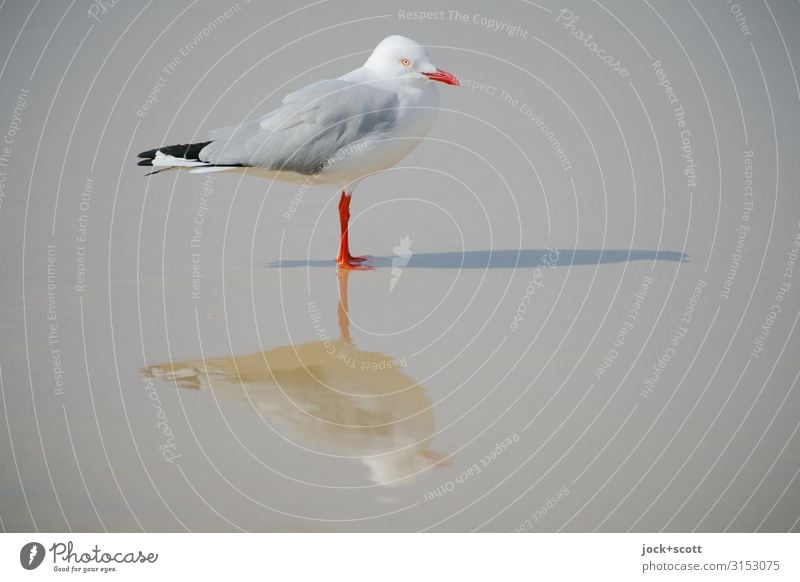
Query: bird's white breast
x,y
417,111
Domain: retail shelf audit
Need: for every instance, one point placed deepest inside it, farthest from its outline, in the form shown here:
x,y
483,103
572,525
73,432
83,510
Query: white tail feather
x,y
162,161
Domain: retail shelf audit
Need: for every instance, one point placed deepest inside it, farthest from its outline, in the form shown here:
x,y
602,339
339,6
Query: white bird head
x,y
400,57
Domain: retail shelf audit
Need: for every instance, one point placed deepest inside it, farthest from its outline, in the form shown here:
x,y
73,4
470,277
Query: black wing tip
x,y
148,154
187,151
147,162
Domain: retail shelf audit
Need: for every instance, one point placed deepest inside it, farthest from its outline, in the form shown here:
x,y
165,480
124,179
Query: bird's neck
x,y
381,80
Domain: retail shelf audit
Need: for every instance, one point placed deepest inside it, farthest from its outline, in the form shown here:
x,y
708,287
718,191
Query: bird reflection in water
x,y
330,396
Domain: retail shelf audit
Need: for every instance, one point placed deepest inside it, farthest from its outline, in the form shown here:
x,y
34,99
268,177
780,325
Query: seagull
x,y
335,131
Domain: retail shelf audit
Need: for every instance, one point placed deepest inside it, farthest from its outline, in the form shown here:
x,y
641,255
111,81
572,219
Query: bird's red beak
x,y
443,77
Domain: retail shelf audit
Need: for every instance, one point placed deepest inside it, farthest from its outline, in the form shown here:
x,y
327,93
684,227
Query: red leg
x,y
345,260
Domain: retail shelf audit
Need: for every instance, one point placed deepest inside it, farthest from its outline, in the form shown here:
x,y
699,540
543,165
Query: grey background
x,y
713,448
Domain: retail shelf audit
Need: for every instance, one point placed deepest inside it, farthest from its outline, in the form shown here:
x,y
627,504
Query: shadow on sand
x,y
505,259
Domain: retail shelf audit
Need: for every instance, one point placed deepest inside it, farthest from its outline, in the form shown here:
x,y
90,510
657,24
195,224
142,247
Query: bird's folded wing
x,y
308,130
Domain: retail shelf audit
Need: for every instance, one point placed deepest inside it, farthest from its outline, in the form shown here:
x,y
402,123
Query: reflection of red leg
x,y
344,319
345,259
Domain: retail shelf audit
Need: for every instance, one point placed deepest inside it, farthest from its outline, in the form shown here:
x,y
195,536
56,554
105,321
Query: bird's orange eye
x,y
405,62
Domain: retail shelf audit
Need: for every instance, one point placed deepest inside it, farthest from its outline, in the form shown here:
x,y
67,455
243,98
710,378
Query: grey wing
x,y
309,128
